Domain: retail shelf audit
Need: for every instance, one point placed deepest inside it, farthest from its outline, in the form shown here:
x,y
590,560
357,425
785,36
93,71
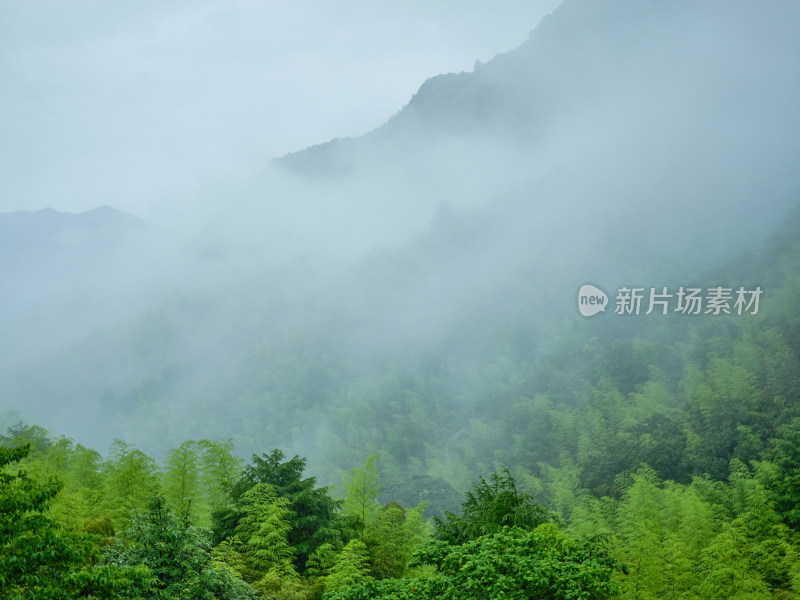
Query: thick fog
x,y
621,142
146,106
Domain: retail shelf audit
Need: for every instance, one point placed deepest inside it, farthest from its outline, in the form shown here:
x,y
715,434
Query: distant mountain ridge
x,y
590,57
33,236
630,126
53,219
63,274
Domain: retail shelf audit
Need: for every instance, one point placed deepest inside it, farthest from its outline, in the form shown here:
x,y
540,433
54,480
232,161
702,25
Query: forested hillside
x,y
657,458
457,230
369,374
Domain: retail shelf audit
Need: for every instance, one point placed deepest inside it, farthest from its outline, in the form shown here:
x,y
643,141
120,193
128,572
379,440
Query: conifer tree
x,y
263,530
351,567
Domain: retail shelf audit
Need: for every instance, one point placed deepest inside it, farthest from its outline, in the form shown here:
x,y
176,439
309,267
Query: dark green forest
x,y
633,457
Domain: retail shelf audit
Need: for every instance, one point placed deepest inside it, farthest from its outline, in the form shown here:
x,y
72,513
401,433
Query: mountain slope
x,y
662,125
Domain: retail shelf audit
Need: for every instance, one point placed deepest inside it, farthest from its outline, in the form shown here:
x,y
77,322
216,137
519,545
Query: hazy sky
x,y
140,105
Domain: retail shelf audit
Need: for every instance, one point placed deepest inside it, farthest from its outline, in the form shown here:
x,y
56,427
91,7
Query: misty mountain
x,y
668,59
408,300
31,240
638,131
66,274
392,276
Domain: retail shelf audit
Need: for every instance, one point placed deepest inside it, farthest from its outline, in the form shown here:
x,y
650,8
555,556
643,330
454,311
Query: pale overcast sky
x,y
138,104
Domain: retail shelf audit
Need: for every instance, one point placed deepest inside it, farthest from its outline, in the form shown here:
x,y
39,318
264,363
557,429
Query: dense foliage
x,y
490,506
39,559
178,556
311,514
512,563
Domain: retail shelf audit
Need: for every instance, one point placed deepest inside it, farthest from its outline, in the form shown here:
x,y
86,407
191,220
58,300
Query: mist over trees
x,y
367,377
482,203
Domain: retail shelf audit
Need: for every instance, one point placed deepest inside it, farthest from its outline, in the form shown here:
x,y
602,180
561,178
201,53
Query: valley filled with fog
x,y
480,205
411,292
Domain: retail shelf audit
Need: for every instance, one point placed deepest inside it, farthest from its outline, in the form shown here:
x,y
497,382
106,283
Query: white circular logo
x,y
591,300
